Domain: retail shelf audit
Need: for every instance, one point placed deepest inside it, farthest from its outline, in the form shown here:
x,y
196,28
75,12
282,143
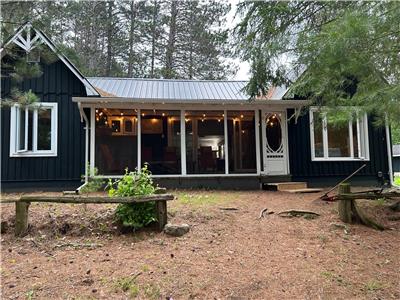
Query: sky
x,y
244,67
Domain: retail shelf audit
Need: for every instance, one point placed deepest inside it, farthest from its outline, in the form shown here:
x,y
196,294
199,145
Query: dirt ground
x,y
76,252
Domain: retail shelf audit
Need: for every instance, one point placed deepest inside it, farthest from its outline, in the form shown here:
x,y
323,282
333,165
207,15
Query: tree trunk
x,y
133,12
109,38
169,57
153,38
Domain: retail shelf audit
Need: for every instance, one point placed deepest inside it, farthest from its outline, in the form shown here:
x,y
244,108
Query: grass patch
x,y
335,278
204,198
373,285
397,180
127,284
380,202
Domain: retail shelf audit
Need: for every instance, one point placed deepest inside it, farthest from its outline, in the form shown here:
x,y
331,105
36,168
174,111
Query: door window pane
x,y
116,149
161,141
44,129
273,133
241,140
205,153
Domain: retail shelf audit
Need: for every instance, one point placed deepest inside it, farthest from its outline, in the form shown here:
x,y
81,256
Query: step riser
x,y
295,186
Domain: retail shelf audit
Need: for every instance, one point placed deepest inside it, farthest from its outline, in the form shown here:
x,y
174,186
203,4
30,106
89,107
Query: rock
x,y
176,230
3,227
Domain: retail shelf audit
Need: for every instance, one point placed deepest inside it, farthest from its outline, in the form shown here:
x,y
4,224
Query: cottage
x,y
191,133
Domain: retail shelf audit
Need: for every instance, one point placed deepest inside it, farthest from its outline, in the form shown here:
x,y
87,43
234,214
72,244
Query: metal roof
x,y
175,89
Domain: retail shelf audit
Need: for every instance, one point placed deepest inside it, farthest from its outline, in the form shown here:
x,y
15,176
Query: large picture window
x,y
347,141
33,130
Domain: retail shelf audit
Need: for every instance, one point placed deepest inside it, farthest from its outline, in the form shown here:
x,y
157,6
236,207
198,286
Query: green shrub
x,y
136,215
93,184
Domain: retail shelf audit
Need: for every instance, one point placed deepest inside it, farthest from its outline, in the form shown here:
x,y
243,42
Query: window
x,y
161,141
116,140
34,130
205,142
338,142
241,142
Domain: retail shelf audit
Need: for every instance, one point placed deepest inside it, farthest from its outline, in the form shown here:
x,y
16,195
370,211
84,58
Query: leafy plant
x,y
94,184
136,215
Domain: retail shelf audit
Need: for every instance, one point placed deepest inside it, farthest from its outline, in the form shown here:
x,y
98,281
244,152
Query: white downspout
x,y
389,151
87,127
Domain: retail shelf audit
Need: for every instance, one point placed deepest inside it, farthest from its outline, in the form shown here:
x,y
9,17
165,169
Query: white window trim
x,y
360,140
14,132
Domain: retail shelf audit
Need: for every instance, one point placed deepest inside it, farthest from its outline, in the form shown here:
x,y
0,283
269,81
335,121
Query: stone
x,y
3,226
176,230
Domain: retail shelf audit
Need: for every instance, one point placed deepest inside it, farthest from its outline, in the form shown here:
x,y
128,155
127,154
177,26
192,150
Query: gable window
x,y
33,131
338,142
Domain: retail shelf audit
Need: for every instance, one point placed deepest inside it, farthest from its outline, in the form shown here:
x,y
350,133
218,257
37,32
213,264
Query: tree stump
x,y
349,212
345,205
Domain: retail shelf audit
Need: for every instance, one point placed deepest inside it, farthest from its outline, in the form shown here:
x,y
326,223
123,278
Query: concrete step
x,y
284,186
306,190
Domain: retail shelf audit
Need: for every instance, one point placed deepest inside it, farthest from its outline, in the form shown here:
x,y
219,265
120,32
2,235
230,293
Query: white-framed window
x,y
33,131
338,142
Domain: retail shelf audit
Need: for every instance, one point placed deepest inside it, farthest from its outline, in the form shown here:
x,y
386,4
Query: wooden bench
x,y
22,205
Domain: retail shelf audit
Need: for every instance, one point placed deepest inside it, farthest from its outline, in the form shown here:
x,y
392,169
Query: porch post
x,y
183,142
257,127
263,140
92,139
139,140
226,142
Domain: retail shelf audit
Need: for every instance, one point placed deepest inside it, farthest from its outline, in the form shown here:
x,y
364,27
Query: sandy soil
x,y
76,252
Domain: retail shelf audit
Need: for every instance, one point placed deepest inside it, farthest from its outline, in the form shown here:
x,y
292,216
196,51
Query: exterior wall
x,y
57,84
396,164
320,172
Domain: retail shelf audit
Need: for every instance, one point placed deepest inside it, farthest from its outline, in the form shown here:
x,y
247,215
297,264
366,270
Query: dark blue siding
x,y
302,167
396,164
57,84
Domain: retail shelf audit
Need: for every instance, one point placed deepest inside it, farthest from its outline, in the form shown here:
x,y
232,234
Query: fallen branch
x,y
262,213
297,213
228,208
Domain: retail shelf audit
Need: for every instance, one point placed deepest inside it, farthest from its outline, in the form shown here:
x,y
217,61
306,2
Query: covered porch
x,y
187,138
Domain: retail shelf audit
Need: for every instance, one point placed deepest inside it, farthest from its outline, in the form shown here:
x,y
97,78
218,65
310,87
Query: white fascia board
x,y
100,100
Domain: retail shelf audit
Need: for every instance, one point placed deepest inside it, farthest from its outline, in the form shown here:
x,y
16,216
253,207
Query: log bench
x,y
22,205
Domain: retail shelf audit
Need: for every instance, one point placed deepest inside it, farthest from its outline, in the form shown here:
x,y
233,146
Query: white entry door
x,y
274,133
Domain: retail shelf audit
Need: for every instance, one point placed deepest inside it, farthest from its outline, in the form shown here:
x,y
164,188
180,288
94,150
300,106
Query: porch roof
x,y
151,90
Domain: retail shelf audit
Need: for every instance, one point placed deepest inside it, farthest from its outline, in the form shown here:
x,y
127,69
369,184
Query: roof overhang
x,y
125,101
